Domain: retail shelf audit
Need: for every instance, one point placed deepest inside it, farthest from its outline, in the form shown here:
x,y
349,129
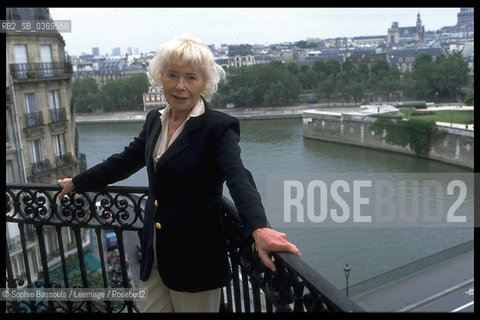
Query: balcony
x,y
64,160
293,287
41,167
15,244
58,115
39,71
34,119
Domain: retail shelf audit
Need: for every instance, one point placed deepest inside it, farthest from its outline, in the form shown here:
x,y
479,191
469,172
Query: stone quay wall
x,y
456,147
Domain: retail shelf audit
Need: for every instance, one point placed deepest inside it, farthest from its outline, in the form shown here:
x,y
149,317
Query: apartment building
x,y
240,56
41,136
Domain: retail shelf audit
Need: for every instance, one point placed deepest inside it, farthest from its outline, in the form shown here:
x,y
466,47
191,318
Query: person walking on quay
x,y
189,151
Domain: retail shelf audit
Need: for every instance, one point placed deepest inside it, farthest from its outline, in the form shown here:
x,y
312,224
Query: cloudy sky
x,y
146,28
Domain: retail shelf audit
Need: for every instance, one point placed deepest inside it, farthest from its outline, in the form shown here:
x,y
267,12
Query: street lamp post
x,y
346,269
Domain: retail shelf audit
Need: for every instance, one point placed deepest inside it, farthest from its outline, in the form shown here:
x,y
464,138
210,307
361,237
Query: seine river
x,y
276,147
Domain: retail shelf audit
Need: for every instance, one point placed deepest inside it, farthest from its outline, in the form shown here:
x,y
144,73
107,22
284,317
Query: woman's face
x,y
182,86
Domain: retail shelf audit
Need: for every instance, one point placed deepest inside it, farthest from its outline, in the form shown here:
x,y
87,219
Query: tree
x,y
115,95
125,94
292,67
276,64
326,89
291,86
333,67
351,82
342,83
275,94
308,79
450,74
260,85
83,86
348,66
379,66
304,44
420,83
357,91
86,94
384,79
319,67
363,72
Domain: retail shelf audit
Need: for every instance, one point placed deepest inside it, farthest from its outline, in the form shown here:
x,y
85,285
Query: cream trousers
x,y
162,299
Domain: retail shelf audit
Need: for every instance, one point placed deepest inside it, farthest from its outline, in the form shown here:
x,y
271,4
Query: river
x,y
276,146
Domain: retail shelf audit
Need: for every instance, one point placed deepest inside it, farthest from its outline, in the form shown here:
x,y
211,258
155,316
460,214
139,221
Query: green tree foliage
x,y
419,135
326,88
337,82
450,74
305,44
419,83
116,95
259,85
384,80
469,101
86,94
441,78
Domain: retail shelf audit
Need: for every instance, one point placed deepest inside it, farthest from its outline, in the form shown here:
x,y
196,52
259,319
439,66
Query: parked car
x,y
312,100
111,241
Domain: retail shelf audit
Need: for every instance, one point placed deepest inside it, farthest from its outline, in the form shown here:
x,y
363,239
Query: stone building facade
x,y
41,135
41,131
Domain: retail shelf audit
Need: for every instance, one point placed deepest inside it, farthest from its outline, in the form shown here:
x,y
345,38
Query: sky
x,y
147,28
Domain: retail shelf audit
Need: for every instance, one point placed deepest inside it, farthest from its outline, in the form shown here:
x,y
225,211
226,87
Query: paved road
x,y
445,287
459,300
131,239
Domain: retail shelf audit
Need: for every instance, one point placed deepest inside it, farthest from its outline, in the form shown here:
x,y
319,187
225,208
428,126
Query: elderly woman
x,y
189,150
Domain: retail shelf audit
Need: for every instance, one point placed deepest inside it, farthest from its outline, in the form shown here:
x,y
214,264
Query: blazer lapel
x,y
152,140
181,142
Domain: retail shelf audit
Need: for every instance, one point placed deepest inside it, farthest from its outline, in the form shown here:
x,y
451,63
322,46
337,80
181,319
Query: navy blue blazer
x,y
185,189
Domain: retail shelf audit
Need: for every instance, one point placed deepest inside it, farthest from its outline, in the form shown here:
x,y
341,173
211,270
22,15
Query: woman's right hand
x,y
67,187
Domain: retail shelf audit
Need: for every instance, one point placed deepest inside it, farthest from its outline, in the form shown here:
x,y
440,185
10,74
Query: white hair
x,y
183,50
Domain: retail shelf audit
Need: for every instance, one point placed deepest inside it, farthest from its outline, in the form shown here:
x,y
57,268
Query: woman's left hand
x,y
268,240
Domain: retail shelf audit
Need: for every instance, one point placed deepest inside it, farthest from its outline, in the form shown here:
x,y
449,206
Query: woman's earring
x,y
203,92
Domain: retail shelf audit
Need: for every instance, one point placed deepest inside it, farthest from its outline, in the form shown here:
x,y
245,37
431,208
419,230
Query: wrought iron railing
x,y
64,160
25,71
40,167
293,287
34,119
58,115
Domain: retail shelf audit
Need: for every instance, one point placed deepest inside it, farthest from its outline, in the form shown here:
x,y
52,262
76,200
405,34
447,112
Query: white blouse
x,y
161,145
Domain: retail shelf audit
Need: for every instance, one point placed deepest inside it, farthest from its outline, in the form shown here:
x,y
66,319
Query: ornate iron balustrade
x,y
294,287
28,71
58,115
41,167
34,119
64,160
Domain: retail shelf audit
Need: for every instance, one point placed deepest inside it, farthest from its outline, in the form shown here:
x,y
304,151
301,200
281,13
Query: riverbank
x,y
355,127
111,117
241,114
260,113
